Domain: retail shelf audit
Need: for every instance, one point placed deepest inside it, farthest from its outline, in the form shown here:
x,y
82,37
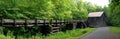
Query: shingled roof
x,y
95,14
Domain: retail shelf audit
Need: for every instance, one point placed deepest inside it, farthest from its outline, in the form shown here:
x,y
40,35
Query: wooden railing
x,y
34,22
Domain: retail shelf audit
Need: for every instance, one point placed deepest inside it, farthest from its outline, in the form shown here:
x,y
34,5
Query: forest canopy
x,y
113,12
46,9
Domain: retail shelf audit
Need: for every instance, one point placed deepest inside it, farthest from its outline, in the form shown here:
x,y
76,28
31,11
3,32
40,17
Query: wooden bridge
x,y
55,25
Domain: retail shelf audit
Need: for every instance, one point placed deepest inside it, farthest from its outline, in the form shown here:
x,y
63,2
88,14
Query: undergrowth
x,y
24,34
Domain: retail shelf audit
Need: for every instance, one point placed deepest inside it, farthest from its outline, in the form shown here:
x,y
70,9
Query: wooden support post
x,y
36,22
86,24
67,21
82,25
74,25
58,25
26,22
60,22
44,23
51,26
50,22
64,21
55,22
14,24
1,24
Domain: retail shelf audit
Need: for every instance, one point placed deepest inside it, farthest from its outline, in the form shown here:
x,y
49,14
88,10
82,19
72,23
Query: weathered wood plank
x,y
7,21
35,22
55,27
20,21
31,21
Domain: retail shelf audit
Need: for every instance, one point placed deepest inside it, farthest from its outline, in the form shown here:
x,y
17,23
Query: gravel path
x,y
100,33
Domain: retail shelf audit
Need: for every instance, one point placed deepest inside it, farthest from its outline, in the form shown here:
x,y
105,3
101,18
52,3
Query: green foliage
x,y
43,9
46,9
5,37
70,34
1,30
20,33
92,8
113,12
108,13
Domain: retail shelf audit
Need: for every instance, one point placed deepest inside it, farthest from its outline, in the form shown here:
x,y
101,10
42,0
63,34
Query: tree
x,y
46,9
114,12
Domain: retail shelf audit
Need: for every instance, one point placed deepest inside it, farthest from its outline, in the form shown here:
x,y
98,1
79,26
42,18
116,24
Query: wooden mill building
x,y
96,19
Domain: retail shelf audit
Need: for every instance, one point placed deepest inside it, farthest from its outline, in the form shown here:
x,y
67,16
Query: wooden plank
x,y
54,31
30,25
55,24
57,30
40,24
53,21
58,21
8,21
55,27
19,26
8,25
20,21
46,21
31,21
62,21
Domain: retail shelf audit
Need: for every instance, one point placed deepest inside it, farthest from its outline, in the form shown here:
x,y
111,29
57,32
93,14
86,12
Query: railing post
x,y
14,24
50,25
56,23
64,21
26,23
50,22
60,22
67,21
1,24
36,22
44,22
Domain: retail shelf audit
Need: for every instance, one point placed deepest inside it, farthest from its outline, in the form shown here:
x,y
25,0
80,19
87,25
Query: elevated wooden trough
x,y
55,25
35,22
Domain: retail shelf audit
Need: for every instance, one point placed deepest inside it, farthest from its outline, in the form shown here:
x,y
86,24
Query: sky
x,y
98,2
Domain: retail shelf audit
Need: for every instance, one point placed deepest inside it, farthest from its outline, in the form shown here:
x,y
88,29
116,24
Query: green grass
x,y
69,34
72,34
115,29
6,37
